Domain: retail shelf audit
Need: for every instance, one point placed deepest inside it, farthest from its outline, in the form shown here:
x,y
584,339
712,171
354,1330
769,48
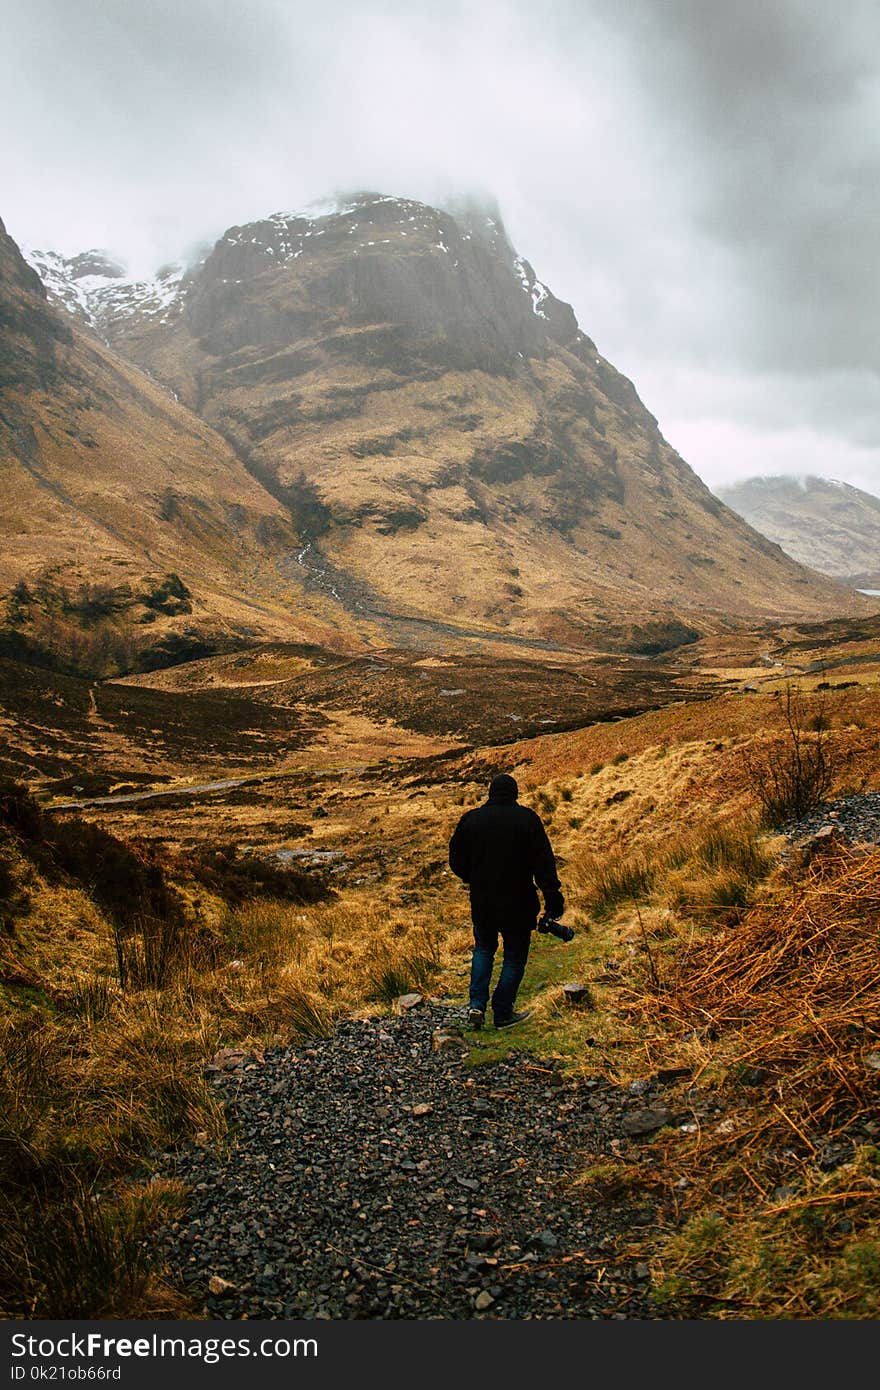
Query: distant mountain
x,y
829,525
451,450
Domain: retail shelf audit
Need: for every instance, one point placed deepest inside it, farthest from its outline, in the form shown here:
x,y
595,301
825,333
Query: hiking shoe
x,y
514,1018
476,1018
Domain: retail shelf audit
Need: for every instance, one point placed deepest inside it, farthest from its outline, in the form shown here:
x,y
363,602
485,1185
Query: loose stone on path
x,y
370,1176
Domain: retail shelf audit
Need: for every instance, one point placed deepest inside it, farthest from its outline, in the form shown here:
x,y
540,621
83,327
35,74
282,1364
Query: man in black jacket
x,y
501,851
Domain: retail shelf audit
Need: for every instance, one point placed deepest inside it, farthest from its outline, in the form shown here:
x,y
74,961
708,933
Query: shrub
x,y
124,881
794,776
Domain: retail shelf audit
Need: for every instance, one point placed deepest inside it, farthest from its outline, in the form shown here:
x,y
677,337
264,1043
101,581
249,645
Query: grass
x,y
791,994
701,870
89,1088
106,1028
606,882
581,1036
86,1251
102,1060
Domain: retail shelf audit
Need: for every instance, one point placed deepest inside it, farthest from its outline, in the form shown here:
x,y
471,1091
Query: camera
x,y
550,924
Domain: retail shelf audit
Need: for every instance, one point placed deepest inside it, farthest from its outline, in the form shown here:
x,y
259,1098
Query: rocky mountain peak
x,y
450,275
447,277
97,289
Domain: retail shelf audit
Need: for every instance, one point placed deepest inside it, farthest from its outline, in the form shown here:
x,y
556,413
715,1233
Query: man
x,y
501,851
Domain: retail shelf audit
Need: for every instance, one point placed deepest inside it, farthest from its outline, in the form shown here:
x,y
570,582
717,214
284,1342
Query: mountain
x,y
454,454
96,289
822,522
119,502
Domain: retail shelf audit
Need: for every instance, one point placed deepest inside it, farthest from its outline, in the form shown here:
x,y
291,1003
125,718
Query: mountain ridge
x,y
114,491
448,446
829,524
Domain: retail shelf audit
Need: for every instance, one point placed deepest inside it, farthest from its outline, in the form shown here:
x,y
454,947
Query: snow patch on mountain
x,y
533,287
95,288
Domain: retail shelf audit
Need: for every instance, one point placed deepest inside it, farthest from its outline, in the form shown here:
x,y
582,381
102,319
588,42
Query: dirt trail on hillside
x,y
159,793
371,1176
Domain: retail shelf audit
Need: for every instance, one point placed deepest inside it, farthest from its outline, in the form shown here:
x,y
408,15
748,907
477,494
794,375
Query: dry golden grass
x,y
95,1076
775,1210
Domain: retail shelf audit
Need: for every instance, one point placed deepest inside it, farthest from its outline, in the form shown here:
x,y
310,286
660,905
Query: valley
x,y
302,545
298,804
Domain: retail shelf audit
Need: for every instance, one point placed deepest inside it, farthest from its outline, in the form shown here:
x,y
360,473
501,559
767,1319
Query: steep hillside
x,y
821,522
120,502
452,447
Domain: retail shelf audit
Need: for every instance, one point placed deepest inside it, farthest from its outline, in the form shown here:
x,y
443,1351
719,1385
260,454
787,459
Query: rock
x,y
234,1058
220,1286
646,1121
827,832
404,1002
577,995
872,1061
666,1075
483,1301
543,1240
442,1041
482,1240
423,1109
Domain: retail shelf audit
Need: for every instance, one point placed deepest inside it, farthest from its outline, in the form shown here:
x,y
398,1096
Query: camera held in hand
x,y
554,928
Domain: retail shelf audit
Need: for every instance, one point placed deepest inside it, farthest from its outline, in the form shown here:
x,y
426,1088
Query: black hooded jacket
x,y
501,851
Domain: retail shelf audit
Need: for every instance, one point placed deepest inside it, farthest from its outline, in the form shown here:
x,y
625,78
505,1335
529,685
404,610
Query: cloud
x,y
699,179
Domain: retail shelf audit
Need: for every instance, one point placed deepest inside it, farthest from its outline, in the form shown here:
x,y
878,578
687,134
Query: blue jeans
x,y
516,953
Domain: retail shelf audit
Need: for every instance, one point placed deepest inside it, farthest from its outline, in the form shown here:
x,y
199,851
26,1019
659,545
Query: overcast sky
x,y
700,179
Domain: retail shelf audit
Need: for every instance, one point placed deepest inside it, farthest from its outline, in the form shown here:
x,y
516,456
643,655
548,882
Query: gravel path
x,y
855,818
371,1176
